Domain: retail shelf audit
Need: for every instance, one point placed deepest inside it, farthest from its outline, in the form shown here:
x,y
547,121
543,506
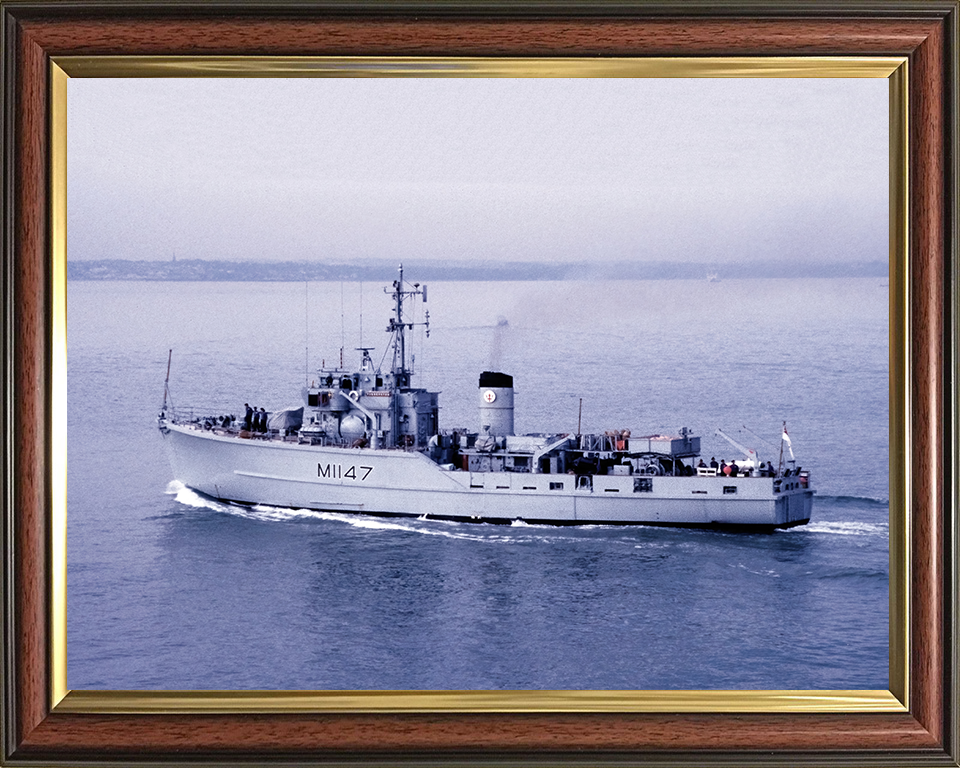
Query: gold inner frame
x,y
894,69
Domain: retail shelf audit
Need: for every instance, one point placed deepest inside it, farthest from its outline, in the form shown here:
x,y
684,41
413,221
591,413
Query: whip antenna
x,y
306,332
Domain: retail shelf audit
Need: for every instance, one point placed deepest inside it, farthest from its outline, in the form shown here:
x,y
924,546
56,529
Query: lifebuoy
x,y
353,395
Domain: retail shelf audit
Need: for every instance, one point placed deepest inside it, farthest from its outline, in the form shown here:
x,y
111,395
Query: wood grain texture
x,y
29,370
297,736
927,312
426,36
43,737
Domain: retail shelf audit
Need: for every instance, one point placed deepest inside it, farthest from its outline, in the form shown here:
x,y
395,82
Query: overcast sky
x,y
705,170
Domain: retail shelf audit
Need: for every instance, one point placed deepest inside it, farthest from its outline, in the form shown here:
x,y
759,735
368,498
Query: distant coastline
x,y
300,271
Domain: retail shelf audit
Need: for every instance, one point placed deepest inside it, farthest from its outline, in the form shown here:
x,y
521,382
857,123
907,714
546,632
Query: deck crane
x,y
748,452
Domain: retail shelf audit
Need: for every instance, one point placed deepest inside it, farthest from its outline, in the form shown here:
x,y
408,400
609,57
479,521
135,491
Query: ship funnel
x,y
496,403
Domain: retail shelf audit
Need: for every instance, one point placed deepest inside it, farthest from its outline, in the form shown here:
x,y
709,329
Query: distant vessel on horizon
x,y
366,441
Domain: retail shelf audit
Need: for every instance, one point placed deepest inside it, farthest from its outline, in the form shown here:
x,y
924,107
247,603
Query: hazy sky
x,y
708,170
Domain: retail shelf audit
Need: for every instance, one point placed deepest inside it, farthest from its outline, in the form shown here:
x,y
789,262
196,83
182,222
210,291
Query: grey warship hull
x,y
407,483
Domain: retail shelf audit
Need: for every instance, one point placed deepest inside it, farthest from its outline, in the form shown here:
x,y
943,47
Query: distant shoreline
x,y
291,271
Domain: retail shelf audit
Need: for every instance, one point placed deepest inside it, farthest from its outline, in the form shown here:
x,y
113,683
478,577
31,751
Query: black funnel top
x,y
496,379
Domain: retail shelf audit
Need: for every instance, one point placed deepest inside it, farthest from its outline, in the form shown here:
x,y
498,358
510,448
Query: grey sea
x,y
171,590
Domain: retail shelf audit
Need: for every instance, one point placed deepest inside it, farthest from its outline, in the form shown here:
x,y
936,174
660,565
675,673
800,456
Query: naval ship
x,y
367,441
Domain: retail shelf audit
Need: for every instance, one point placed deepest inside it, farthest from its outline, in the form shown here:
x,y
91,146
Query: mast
x,y
401,336
166,381
780,467
398,327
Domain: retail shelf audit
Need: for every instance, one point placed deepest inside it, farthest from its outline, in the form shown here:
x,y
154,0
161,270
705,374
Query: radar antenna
x,y
366,363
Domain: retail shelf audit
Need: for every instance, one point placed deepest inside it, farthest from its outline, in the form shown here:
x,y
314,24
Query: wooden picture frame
x,y
38,730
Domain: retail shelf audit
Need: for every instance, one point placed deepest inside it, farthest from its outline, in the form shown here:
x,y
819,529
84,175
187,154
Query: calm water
x,y
167,589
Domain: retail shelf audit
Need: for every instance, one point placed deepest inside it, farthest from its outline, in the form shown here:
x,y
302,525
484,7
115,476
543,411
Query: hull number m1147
x,y
338,472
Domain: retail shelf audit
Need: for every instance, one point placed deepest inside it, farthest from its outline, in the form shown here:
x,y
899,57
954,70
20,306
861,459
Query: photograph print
x,y
478,384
